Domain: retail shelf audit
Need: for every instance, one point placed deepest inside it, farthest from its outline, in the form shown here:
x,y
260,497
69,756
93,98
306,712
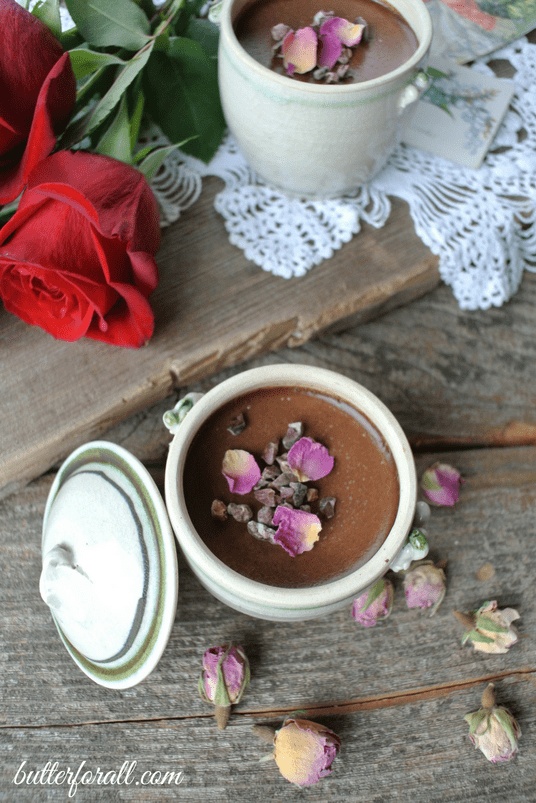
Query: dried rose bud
x,y
489,628
218,510
304,751
270,452
375,604
425,586
441,484
237,424
241,471
493,729
241,513
294,433
224,679
327,506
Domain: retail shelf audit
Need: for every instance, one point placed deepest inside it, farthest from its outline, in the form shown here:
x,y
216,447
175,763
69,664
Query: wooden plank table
x,y
464,388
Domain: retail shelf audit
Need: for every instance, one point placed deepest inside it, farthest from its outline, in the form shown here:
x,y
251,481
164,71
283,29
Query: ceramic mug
x,y
317,140
259,599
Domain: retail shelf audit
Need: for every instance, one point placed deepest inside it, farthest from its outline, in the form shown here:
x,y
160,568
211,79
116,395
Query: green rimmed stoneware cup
x,y
266,601
317,140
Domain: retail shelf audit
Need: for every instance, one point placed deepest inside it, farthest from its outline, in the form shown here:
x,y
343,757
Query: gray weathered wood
x,y
213,308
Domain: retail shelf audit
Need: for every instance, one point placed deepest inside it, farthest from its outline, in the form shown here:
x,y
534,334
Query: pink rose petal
x,y
299,51
310,460
330,50
297,530
348,33
240,470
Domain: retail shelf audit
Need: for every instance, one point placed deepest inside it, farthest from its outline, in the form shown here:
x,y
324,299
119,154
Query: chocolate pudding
x,y
364,482
392,41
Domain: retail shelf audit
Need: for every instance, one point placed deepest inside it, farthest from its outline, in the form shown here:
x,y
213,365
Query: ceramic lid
x,y
110,574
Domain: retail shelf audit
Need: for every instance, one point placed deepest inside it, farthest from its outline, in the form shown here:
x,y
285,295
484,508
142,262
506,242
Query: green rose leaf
x,y
112,97
86,61
151,159
110,23
116,139
182,96
206,33
48,11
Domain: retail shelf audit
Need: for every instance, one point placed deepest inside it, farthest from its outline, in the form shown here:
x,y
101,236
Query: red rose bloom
x,y
37,95
77,257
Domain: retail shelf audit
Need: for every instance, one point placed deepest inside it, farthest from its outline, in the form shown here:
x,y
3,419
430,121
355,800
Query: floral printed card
x,y
459,114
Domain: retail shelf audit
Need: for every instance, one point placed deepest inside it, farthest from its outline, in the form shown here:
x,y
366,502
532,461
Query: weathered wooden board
x,y
451,377
213,308
396,694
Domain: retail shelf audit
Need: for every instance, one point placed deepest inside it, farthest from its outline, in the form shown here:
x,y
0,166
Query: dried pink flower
x,y
490,629
304,751
329,51
240,470
224,679
299,51
297,530
493,729
375,604
310,460
425,586
441,484
348,33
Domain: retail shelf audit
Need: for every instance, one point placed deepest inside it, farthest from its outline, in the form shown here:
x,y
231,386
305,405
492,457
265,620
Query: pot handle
x,y
173,418
414,90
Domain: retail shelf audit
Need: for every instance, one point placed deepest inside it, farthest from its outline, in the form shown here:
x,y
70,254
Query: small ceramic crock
x,y
317,140
258,599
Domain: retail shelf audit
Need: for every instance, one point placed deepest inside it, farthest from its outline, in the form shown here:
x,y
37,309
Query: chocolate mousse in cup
x,y
318,137
290,489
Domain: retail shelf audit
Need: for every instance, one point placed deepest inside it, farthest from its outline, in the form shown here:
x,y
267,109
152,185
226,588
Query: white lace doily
x,y
480,223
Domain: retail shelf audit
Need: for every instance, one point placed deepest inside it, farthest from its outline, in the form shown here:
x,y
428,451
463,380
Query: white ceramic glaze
x,y
317,140
110,572
258,599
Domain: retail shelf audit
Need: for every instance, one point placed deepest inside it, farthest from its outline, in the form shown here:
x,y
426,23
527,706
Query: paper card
x,y
459,114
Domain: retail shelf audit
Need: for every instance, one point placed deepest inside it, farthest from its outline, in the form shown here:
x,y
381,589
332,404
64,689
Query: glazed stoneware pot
x,y
257,598
317,140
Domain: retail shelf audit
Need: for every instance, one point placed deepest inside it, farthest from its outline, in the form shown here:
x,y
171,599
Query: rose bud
x,y
441,484
224,679
304,751
489,628
374,604
493,729
425,586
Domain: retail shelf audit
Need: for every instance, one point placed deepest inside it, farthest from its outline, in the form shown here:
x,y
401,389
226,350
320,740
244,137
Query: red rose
x,y
77,257
37,94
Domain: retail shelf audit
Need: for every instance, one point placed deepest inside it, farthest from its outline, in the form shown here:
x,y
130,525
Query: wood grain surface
x,y
462,384
213,309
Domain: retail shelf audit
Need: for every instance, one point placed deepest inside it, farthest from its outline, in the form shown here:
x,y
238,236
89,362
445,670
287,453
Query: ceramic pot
x,y
267,601
317,140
